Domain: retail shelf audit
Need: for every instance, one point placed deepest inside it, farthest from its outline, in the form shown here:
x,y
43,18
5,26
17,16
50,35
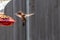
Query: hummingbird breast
x,y
23,18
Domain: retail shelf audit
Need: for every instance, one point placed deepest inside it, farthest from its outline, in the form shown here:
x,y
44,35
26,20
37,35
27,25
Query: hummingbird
x,y
23,16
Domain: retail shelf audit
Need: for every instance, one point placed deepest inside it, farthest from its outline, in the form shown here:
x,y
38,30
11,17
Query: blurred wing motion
x,y
6,20
25,15
18,15
28,15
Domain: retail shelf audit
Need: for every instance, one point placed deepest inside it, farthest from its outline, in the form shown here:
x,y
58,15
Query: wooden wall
x,y
44,25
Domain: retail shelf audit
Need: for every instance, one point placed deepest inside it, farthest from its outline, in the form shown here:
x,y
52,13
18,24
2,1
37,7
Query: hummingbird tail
x,y
23,23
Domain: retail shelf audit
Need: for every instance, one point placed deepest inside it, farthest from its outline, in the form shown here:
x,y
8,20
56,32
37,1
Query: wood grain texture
x,y
45,25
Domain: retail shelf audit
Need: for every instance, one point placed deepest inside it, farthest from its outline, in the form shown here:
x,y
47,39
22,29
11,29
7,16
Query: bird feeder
x,y
5,20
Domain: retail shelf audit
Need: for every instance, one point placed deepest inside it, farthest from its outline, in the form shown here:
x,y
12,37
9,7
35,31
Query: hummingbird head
x,y
19,13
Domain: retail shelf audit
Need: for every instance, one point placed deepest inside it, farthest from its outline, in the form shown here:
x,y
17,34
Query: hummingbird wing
x,y
18,15
28,15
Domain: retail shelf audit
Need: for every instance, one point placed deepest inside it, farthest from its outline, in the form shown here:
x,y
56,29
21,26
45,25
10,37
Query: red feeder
x,y
6,21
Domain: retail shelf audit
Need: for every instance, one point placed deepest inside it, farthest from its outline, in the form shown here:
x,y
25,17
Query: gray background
x,y
44,25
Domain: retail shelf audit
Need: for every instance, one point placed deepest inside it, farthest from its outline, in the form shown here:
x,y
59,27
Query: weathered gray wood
x,y
45,25
18,30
